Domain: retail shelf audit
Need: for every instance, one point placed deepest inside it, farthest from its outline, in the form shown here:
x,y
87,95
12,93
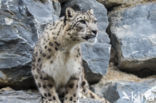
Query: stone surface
x,y
43,12
96,56
19,97
20,24
129,92
133,36
115,3
28,97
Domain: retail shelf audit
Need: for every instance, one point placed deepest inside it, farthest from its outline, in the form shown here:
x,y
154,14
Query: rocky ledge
x,y
11,96
128,92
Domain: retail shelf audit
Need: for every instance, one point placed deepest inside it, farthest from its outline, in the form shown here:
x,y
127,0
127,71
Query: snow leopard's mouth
x,y
89,37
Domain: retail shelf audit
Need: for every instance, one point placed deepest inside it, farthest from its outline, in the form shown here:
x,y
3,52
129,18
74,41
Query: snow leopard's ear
x,y
69,13
91,11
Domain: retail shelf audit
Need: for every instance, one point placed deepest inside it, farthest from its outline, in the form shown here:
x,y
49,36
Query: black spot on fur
x,y
57,44
83,83
56,48
71,85
39,59
40,51
44,86
45,94
50,99
44,55
50,44
92,96
71,98
74,78
74,95
84,90
45,78
45,47
41,77
38,70
51,61
49,49
54,98
49,94
77,56
50,85
48,57
54,38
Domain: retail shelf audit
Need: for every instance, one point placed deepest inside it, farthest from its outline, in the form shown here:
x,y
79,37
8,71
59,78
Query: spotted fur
x,y
57,63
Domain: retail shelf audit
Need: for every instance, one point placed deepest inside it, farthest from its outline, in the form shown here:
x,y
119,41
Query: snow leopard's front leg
x,y
73,89
46,87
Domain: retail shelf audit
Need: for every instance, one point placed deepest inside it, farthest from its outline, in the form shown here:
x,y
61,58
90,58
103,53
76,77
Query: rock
x,y
28,97
19,97
96,56
20,23
133,36
110,4
129,92
43,13
89,101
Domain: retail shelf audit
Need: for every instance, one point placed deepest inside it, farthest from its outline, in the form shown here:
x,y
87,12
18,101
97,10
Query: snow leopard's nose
x,y
94,32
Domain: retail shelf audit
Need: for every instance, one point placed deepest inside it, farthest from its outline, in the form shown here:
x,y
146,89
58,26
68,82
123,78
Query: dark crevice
x,y
114,58
95,77
143,73
112,6
19,78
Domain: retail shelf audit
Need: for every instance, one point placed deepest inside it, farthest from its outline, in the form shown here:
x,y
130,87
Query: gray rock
x,y
89,101
28,97
133,37
43,13
20,23
96,56
115,3
129,92
19,97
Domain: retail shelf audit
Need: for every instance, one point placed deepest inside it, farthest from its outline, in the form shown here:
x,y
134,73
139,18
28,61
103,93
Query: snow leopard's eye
x,y
95,21
82,21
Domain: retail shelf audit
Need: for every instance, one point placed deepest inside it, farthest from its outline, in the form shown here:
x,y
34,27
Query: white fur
x,y
61,70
